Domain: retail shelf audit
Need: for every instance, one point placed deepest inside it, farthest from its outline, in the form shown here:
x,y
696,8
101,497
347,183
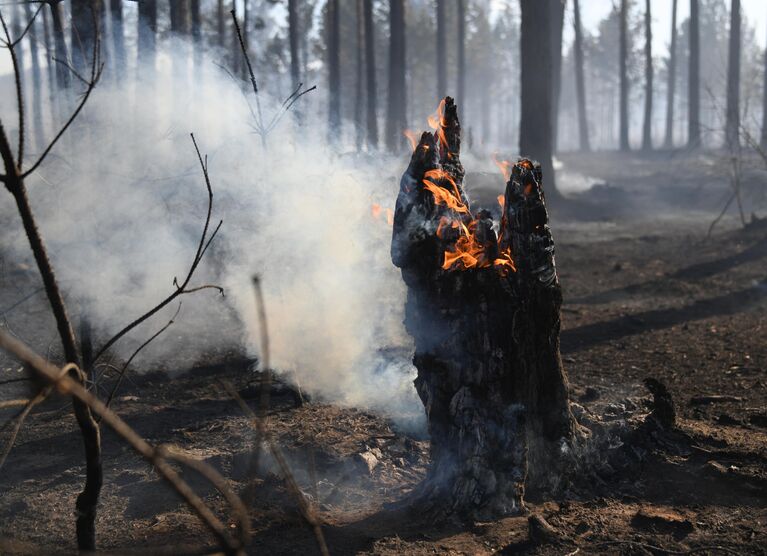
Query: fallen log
x,y
483,308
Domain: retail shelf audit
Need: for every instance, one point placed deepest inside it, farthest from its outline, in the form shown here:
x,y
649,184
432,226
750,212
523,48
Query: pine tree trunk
x,y
733,80
221,23
334,72
624,80
461,39
147,35
763,141
693,132
118,38
37,87
293,31
359,101
668,143
441,50
370,68
535,135
63,77
396,103
196,18
648,90
580,86
490,374
557,26
87,15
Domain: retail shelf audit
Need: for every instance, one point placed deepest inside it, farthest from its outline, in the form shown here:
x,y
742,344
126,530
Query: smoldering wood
x,y
490,374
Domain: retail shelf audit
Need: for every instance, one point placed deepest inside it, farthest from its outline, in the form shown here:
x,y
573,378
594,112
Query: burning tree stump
x,y
484,310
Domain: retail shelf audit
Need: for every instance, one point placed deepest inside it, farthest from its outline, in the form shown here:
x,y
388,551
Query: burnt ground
x,y
647,294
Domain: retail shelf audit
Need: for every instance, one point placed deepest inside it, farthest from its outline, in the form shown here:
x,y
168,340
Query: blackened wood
x,y
490,374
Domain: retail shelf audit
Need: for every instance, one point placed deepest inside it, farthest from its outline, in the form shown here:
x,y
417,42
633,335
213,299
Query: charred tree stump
x,y
484,310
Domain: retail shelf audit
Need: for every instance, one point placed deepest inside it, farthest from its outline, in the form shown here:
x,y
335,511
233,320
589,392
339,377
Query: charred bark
x,y
486,334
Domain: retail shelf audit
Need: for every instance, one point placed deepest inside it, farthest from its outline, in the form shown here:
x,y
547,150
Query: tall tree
x,y
63,77
86,18
293,31
118,38
49,54
221,23
557,25
535,129
648,73
441,50
370,69
671,87
359,100
763,141
461,38
580,86
733,79
624,79
147,34
334,71
693,82
37,90
396,103
179,17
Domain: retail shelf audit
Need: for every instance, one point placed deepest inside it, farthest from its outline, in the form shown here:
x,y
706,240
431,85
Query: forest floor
x,y
647,294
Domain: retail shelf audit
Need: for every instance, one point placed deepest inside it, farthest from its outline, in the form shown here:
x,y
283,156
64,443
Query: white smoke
x,y
121,203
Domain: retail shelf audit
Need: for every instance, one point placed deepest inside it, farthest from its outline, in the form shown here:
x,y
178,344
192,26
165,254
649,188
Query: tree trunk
x,y
580,86
221,23
396,103
558,22
334,72
693,121
37,87
461,39
490,374
624,79
63,77
441,50
147,34
87,15
535,129
179,17
359,101
763,142
118,38
671,89
733,80
648,72
196,17
370,68
293,31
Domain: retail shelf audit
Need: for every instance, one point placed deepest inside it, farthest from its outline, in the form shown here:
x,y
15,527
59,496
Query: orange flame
x,y
437,122
503,165
412,137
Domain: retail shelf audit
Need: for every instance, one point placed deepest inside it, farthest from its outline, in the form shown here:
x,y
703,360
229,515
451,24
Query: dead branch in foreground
x,y
13,178
158,456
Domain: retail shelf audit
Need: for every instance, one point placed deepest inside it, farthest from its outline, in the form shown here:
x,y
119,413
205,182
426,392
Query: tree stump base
x,y
483,308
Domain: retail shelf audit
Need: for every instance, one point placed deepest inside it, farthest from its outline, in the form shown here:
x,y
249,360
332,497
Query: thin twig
x,y
157,456
121,374
250,73
182,288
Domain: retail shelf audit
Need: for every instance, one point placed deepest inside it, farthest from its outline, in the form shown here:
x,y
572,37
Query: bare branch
x,y
19,92
157,456
122,371
250,72
202,247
